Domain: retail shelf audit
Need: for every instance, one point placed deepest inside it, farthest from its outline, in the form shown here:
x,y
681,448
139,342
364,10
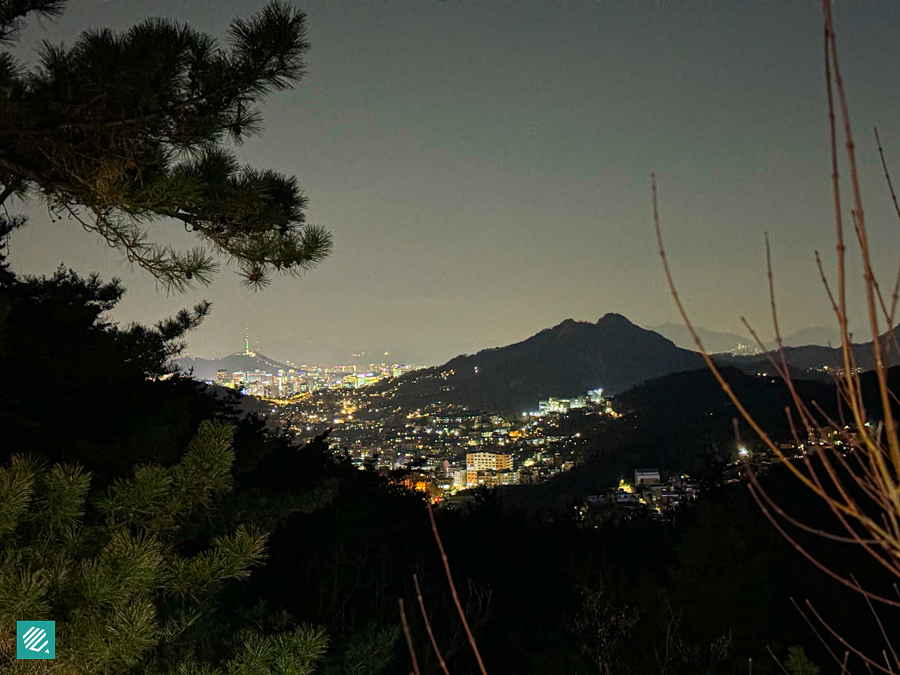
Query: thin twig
x,y
434,644
775,659
459,608
409,642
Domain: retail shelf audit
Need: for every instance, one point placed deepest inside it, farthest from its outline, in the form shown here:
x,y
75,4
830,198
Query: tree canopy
x,y
120,131
110,572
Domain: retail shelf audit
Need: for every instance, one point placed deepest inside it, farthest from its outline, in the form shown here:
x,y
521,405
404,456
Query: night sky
x,y
484,169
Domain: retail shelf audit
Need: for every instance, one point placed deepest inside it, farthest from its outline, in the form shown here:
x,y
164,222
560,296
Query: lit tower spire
x,y
247,349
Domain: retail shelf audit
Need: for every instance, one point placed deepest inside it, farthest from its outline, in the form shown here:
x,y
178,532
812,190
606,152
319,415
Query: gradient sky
x,y
484,169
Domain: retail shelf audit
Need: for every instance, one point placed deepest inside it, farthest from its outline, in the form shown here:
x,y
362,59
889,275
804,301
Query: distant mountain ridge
x,y
813,336
717,342
565,360
713,341
813,359
205,369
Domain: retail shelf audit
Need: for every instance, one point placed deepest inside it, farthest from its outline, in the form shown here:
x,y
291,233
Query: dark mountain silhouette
x,y
818,361
565,360
575,356
205,369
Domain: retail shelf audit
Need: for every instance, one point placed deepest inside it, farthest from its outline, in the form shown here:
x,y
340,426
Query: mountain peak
x,y
567,326
613,318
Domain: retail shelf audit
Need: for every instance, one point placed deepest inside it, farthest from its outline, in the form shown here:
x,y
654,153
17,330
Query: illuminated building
x,y
560,405
484,478
646,477
483,468
488,461
363,379
508,477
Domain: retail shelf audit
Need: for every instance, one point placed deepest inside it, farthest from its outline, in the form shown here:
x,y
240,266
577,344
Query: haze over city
x,y
484,169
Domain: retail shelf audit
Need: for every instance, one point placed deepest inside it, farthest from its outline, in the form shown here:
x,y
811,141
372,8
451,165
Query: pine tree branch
x,y
100,125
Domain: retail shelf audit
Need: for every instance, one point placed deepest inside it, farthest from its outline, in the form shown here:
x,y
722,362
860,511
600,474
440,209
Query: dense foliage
x,y
110,572
121,131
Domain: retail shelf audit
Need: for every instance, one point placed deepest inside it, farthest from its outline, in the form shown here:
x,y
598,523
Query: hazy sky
x,y
484,168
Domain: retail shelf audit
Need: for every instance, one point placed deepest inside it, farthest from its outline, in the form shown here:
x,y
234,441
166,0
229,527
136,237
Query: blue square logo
x,y
35,639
